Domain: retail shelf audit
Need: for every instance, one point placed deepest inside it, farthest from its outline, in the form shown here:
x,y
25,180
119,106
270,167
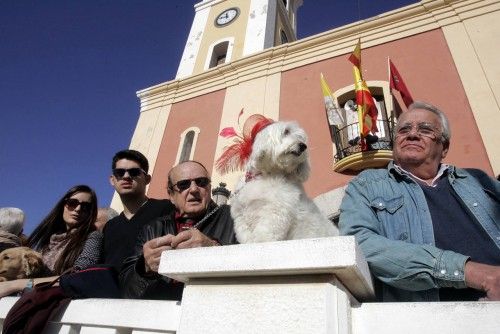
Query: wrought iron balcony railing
x,y
348,143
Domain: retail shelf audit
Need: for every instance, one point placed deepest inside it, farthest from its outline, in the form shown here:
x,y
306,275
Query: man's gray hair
x,y
110,212
11,220
445,125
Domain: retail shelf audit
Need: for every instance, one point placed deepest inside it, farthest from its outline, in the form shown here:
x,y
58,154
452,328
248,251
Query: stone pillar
x,y
296,286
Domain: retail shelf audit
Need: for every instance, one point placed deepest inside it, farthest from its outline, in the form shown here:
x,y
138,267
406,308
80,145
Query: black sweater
x,y
134,282
120,233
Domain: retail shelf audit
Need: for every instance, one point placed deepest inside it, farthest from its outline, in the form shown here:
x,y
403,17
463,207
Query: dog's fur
x,y
270,204
20,262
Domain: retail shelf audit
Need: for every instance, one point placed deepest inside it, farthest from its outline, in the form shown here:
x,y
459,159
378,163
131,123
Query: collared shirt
x,y
386,210
442,169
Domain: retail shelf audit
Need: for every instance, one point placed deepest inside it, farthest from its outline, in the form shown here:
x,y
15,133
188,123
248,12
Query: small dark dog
x,y
20,262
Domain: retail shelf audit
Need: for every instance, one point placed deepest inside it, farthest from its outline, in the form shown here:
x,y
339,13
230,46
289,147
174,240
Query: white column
x,y
297,286
190,54
259,34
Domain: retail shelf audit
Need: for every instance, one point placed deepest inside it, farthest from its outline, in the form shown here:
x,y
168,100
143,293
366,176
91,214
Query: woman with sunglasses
x,y
66,238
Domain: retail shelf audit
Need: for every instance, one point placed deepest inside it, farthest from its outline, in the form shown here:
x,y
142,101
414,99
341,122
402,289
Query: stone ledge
x,y
429,318
339,256
110,316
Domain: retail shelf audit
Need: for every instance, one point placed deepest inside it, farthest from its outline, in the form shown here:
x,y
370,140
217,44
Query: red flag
x,y
396,82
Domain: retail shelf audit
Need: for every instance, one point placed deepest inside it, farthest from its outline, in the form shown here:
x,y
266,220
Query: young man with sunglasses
x,y
429,231
196,222
130,178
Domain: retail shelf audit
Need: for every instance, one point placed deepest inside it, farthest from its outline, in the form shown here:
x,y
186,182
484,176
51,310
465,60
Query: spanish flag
x,y
367,110
355,57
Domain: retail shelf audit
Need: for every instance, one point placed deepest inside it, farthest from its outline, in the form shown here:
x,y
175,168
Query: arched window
x,y
219,53
347,138
347,103
187,145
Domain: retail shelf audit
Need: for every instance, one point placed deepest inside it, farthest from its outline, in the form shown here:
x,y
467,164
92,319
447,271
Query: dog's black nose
x,y
302,147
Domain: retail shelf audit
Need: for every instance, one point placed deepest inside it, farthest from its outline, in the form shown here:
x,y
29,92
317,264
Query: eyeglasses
x,y
422,129
132,172
73,203
201,182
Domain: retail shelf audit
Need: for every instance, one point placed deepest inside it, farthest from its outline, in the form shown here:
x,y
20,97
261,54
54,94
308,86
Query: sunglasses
x,y
132,172
201,182
73,203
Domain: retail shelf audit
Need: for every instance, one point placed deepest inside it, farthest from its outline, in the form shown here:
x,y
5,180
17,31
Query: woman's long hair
x,y
55,224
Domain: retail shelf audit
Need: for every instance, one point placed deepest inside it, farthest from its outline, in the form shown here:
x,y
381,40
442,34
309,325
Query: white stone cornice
x,y
410,20
339,256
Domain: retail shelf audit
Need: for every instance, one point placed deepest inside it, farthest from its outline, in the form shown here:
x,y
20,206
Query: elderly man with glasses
x,y
196,222
429,231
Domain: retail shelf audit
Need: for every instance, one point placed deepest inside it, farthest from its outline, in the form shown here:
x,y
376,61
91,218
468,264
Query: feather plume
x,y
236,155
228,132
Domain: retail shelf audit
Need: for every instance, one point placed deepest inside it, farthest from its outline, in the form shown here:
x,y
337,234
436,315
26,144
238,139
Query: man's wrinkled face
x,y
419,139
193,200
127,180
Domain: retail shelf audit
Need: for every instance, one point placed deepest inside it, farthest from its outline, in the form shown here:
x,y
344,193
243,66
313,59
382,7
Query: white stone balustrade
x,y
111,316
299,286
296,286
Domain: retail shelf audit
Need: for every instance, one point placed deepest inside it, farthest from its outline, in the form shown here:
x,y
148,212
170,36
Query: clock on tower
x,y
227,16
227,30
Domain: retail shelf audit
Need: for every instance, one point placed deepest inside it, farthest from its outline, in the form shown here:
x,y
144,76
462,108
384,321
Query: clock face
x,y
227,16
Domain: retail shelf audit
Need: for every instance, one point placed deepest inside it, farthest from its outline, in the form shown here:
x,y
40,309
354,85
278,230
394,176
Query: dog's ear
x,y
261,161
262,155
32,263
303,170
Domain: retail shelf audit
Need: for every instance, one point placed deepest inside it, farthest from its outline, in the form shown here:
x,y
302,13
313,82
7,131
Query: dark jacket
x,y
134,282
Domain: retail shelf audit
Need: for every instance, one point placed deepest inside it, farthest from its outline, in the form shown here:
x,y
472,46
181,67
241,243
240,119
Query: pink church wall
x,y
423,60
203,112
428,69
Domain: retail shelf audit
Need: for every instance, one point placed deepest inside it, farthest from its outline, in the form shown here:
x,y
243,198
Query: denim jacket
x,y
388,214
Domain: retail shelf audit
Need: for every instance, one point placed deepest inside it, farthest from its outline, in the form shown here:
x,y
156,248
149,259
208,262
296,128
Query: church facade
x,y
244,55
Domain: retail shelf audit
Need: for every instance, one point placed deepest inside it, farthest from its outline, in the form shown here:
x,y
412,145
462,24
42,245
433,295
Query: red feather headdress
x,y
235,156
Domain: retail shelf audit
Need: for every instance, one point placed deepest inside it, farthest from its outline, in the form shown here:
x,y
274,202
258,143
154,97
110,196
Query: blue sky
x,y
69,71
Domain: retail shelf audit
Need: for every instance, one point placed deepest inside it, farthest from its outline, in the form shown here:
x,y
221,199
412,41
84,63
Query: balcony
x,y
351,157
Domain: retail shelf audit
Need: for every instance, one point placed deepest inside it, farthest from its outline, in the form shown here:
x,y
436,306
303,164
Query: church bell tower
x,y
227,30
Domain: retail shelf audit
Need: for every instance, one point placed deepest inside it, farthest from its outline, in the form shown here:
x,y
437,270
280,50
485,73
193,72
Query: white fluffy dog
x,y
270,203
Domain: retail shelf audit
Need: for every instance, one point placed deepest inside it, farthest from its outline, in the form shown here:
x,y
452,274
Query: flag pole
x,y
389,70
393,100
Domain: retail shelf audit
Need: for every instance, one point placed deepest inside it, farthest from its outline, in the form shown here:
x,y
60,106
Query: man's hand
x,y
483,277
190,239
152,252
